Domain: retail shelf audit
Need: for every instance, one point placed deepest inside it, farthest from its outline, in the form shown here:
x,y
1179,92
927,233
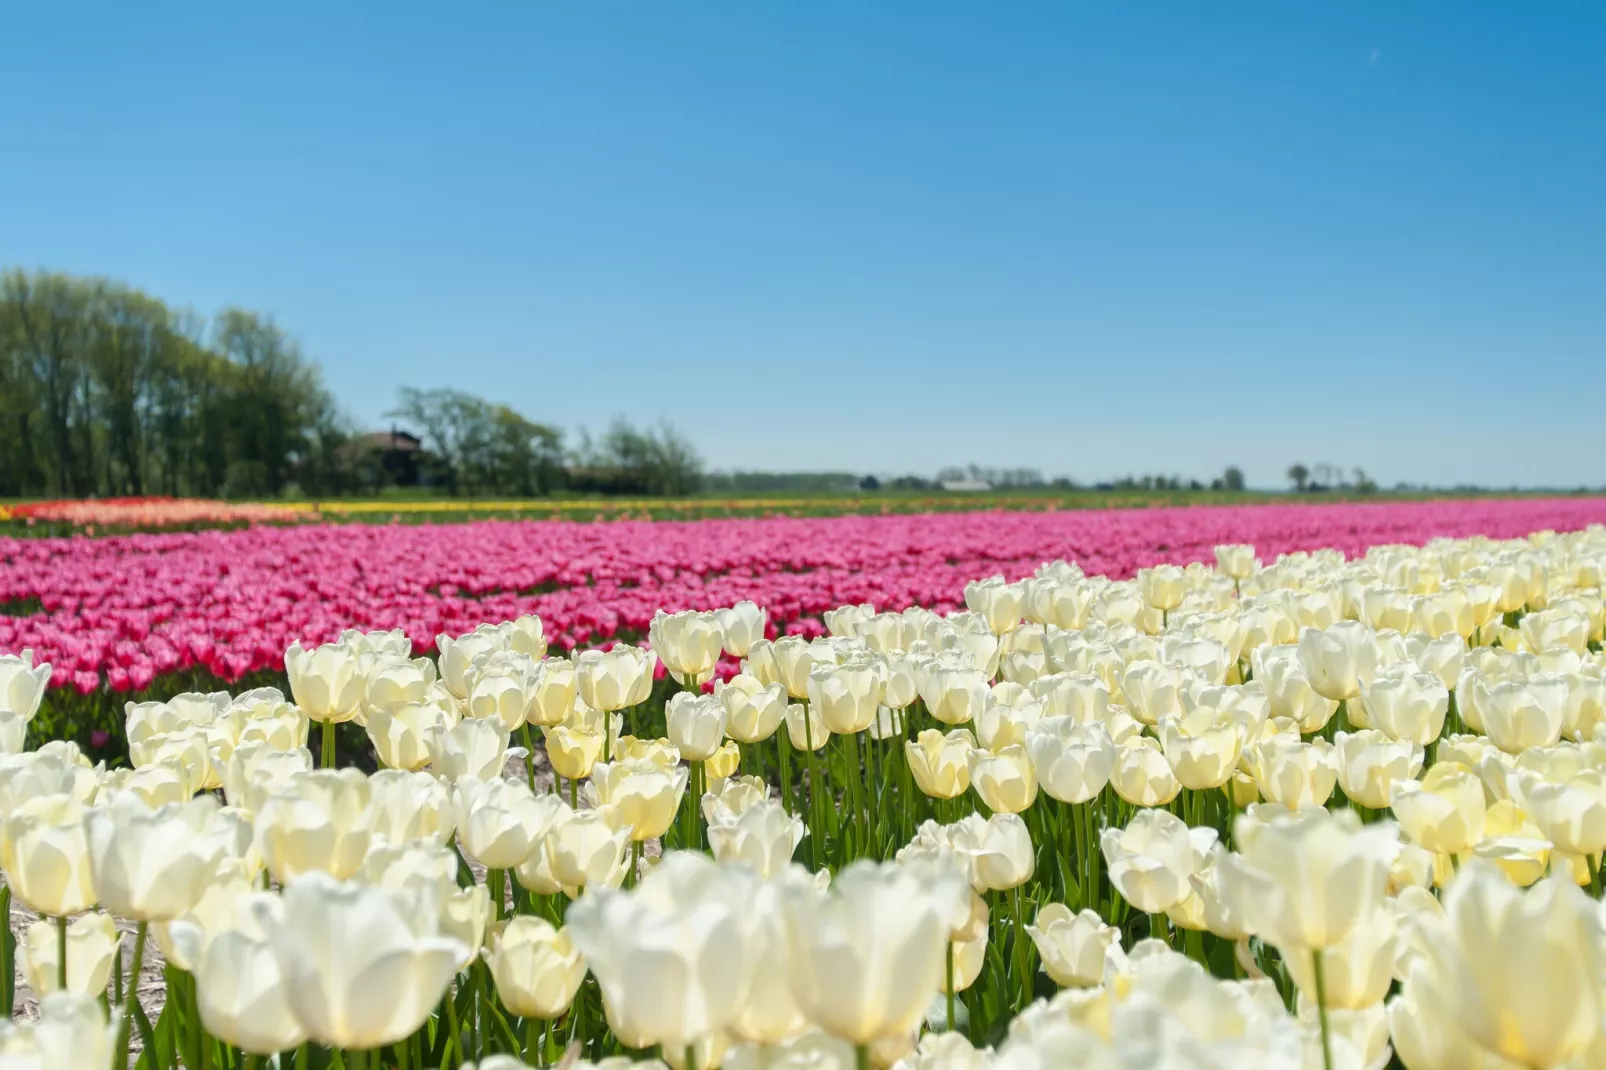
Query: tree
x,y
1233,478
1298,474
106,390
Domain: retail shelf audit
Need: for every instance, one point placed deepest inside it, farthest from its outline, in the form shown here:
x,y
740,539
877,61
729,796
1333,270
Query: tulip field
x,y
1263,788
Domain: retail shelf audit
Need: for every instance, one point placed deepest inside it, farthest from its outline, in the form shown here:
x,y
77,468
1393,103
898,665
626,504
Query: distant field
x,y
133,515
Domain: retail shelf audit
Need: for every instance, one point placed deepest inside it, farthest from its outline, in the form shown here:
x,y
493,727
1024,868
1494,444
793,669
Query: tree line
x,y
108,391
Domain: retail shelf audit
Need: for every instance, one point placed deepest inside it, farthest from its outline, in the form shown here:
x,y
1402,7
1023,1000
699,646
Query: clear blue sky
x,y
1095,239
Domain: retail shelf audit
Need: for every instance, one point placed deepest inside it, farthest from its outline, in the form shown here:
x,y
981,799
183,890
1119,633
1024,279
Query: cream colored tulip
x,y
696,724
740,627
1080,696
1426,1035
1005,780
1161,587
732,797
866,955
71,1031
643,795
316,822
769,1014
1311,875
44,851
1370,764
151,865
22,686
92,941
142,720
535,967
1003,722
1289,691
712,959
457,656
1357,972
1555,628
753,710
1442,613
1444,811
1001,853
1405,704
1151,861
1571,814
535,874
1140,774
725,760
759,663
1073,761
615,679
1513,843
327,681
475,749
1236,560
804,728
281,727
1295,774
954,695
57,768
688,643
1520,970
552,697
587,848
391,682
362,967
1000,604
255,769
1202,747
572,751
222,905
410,806
401,734
794,659
504,686
940,763
762,836
847,695
1519,715
154,785
1153,690
1338,659
1073,947
499,822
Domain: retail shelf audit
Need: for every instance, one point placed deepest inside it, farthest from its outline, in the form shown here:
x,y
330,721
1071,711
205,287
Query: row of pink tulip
x,y
120,611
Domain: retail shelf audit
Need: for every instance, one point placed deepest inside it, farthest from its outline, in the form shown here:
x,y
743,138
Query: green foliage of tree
x,y
105,390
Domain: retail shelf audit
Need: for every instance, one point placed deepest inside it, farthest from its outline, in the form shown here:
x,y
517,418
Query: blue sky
x,y
1091,238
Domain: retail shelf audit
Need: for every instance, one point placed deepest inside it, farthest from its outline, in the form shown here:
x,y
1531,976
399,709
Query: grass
x,y
413,508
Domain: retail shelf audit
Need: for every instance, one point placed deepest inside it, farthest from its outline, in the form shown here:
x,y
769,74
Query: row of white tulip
x,y
1320,813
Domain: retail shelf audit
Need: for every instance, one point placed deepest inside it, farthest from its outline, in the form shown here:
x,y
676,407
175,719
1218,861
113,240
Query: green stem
x,y
950,986
496,884
252,1062
691,1057
786,772
574,794
328,731
861,1057
633,873
8,955
61,954
1022,962
1321,1008
131,991
529,759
